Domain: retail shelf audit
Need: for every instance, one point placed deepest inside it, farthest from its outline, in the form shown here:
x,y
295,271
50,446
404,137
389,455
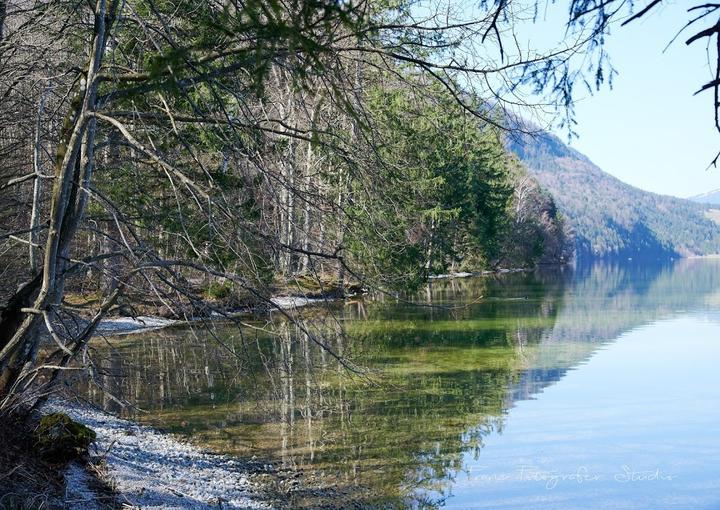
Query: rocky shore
x,y
151,470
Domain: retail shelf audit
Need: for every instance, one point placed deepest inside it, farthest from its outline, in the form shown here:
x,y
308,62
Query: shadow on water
x,y
437,379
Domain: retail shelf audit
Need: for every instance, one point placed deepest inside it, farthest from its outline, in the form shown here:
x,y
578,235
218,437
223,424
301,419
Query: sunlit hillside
x,y
611,218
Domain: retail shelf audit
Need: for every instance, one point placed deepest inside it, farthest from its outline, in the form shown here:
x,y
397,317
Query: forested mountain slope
x,y
613,219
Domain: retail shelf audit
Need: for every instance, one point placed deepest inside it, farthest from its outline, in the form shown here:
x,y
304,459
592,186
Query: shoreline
x,y
153,470
150,469
465,274
118,326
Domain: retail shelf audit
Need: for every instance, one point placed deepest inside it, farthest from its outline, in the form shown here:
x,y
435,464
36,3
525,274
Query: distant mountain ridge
x,y
711,197
610,218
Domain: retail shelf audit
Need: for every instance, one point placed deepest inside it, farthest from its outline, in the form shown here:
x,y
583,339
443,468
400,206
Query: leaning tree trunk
x,y
32,308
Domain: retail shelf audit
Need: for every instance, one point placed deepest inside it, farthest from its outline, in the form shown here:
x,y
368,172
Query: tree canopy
x,y
176,153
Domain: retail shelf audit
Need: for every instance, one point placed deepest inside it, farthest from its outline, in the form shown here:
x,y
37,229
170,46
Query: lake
x,y
592,387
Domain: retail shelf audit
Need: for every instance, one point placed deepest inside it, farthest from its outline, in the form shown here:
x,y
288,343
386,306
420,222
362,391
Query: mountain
x,y
711,197
610,218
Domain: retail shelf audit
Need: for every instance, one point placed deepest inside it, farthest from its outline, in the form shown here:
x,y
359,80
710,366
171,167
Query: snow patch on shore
x,y
125,325
152,470
451,275
128,325
290,302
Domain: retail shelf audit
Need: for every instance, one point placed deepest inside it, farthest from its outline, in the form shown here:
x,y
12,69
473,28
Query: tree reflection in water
x,y
435,380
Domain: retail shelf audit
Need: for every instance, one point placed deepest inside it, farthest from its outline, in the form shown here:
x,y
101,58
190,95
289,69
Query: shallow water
x,y
588,388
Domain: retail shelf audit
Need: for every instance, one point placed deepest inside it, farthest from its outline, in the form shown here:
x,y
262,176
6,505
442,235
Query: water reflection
x,y
438,381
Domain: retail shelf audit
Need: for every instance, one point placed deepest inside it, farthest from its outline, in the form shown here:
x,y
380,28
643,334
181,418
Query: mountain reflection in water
x,y
434,385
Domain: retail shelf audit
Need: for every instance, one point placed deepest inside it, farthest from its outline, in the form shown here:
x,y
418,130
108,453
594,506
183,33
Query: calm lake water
x,y
577,388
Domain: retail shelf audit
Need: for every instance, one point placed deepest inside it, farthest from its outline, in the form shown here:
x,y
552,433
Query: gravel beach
x,y
152,470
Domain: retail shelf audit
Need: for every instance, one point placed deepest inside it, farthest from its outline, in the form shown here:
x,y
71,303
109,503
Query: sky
x,y
649,130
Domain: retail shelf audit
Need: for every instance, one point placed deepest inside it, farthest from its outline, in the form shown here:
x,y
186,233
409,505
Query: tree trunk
x,y
3,16
73,171
341,232
309,166
429,253
113,240
37,185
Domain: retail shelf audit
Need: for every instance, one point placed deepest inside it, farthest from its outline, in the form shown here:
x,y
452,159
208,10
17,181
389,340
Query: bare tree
x,y
199,139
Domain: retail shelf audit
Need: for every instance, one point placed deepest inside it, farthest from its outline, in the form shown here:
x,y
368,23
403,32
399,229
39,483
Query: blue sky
x,y
649,130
